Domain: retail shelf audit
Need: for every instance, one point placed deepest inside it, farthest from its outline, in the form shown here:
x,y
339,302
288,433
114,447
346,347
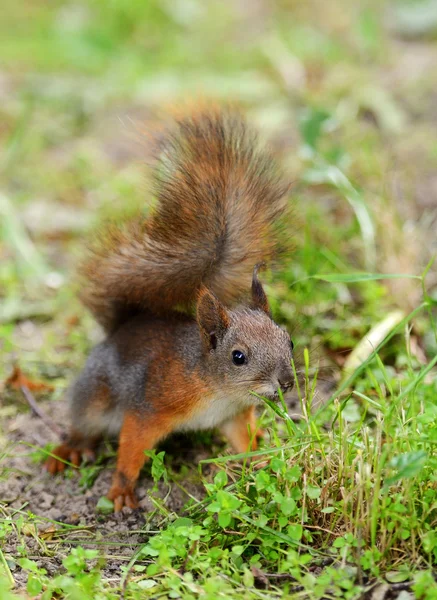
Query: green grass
x,y
348,495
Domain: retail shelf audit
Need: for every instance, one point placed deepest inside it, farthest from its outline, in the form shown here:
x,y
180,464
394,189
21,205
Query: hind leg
x,y
74,450
91,412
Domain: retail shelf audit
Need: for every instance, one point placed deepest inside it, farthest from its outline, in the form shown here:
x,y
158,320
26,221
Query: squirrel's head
x,y
246,350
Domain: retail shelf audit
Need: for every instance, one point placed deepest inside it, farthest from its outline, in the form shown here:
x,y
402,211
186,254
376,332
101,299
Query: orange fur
x,y
73,451
219,197
177,394
137,435
242,431
142,432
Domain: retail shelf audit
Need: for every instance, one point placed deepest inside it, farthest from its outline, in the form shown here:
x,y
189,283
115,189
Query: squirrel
x,y
185,348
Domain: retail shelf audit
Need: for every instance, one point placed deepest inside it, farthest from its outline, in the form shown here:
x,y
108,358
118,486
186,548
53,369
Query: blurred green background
x,y
346,92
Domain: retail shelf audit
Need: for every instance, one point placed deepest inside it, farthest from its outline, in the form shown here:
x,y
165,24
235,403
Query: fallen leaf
x,y
371,340
48,534
29,530
19,379
261,581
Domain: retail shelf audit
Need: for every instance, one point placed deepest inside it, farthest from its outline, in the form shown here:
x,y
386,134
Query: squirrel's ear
x,y
259,298
212,318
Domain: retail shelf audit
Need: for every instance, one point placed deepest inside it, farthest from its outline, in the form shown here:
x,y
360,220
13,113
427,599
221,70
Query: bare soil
x,y
65,508
62,500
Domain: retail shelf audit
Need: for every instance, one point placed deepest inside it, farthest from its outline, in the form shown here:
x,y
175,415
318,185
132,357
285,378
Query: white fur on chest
x,y
214,412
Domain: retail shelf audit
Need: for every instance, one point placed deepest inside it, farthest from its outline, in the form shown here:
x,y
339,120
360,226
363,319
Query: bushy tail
x,y
218,199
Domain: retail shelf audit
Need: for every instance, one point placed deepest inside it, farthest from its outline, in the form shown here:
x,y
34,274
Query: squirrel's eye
x,y
291,345
238,357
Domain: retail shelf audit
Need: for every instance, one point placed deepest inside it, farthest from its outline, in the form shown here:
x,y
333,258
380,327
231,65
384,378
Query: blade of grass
x,y
348,382
423,372
6,569
357,277
330,174
15,234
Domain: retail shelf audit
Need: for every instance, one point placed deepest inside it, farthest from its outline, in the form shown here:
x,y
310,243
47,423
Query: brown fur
x,y
212,183
141,432
138,435
77,448
159,370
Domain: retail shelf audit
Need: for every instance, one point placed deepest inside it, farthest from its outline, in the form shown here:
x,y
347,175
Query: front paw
x,y
122,495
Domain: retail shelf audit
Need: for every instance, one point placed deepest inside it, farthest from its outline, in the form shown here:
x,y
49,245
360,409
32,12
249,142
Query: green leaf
x,y
288,506
313,492
295,531
293,475
158,468
146,584
238,550
152,569
221,479
182,522
277,465
227,500
397,576
262,480
28,565
282,520
224,519
311,126
34,585
408,465
213,507
104,506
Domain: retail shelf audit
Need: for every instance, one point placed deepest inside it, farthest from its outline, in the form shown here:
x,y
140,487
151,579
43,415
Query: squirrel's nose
x,y
285,384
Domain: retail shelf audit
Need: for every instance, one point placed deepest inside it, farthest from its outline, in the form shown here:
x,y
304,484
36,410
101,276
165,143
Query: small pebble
x,y
46,500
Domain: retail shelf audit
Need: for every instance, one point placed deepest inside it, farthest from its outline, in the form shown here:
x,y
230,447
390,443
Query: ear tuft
x,y
259,298
212,318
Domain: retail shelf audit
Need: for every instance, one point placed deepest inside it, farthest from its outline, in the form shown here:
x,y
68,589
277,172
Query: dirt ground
x,y
61,501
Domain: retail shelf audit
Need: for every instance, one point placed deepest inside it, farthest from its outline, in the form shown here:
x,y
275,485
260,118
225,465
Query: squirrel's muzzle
x,y
285,379
288,385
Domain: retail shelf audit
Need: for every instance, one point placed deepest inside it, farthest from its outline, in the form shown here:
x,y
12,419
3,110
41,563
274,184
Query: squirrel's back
x,y
219,197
